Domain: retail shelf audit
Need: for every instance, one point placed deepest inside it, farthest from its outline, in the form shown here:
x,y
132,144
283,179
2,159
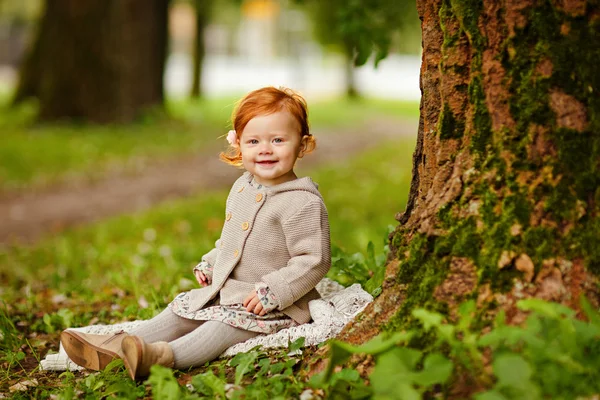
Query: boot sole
x,y
85,354
133,350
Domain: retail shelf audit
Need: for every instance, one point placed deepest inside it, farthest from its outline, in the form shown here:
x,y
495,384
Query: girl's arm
x,y
203,273
307,239
205,267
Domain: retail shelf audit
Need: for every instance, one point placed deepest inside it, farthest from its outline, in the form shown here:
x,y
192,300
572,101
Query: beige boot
x,y
139,356
92,351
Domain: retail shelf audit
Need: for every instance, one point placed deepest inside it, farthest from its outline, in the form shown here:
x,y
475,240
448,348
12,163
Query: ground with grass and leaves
x,y
93,274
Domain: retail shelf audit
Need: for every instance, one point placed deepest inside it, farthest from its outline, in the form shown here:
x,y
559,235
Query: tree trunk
x,y
505,196
97,60
349,72
203,10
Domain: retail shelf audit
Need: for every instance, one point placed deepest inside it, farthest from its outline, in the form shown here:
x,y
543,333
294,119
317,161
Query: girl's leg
x,y
206,343
166,326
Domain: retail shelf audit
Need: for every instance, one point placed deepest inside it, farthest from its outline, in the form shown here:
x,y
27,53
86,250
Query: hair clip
x,y
232,138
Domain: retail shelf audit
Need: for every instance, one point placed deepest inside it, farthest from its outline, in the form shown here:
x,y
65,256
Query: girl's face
x,y
270,145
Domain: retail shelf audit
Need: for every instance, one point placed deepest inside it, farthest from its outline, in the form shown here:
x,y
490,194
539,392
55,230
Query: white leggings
x,y
193,342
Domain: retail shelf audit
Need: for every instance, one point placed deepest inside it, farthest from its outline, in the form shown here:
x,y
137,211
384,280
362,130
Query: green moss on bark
x,y
449,126
467,12
482,122
571,45
422,273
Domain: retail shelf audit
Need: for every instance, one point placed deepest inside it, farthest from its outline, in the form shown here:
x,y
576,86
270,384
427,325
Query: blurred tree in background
x,y
203,14
104,61
360,28
97,60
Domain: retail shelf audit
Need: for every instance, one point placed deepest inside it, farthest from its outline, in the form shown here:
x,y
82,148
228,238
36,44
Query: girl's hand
x,y
201,278
253,304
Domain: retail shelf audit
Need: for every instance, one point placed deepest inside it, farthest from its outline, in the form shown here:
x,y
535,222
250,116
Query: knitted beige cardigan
x,y
278,235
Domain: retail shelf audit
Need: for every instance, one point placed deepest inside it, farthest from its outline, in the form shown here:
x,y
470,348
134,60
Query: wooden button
x,y
236,253
245,226
259,197
240,190
228,216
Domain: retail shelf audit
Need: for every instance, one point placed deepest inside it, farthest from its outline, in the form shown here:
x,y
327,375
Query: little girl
x,y
273,250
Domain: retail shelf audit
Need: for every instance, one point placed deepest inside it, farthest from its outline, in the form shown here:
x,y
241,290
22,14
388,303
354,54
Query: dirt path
x,y
28,216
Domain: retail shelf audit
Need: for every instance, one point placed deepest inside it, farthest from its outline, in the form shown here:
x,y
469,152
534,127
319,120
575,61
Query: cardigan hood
x,y
305,184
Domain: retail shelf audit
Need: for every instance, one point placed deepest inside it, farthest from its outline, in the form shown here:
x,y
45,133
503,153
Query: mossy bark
x,y
97,60
505,197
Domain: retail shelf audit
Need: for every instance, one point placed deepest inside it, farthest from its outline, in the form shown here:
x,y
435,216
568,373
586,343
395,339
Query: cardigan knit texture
x,y
278,235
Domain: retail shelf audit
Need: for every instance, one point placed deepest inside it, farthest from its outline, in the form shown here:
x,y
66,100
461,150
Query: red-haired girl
x,y
273,250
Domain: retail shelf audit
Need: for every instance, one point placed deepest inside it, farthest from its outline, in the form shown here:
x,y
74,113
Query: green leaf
x,y
467,313
586,332
428,319
391,377
446,332
512,370
436,369
66,316
491,395
396,391
48,322
404,359
371,264
114,364
243,363
296,344
347,375
164,385
208,384
593,315
340,351
381,343
264,365
552,310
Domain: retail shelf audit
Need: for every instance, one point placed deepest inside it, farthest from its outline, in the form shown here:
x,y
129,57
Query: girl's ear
x,y
303,144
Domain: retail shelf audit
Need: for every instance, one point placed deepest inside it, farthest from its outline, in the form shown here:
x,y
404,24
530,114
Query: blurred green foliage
x,y
365,27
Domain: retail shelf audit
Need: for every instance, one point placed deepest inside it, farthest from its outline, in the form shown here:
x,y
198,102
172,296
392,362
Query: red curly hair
x,y
264,101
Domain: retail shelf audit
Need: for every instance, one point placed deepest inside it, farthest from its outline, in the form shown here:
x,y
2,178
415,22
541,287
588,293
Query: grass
x,y
93,274
38,155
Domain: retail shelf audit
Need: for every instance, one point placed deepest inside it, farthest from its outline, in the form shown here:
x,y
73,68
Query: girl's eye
x,y
253,141
278,140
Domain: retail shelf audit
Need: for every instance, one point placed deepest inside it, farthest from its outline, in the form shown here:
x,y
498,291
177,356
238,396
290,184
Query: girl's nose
x,y
265,148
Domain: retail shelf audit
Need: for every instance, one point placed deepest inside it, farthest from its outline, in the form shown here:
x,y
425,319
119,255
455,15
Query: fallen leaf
x,y
23,385
59,298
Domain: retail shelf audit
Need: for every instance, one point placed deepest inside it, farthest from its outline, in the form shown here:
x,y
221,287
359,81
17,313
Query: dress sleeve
x,y
206,269
307,238
266,296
